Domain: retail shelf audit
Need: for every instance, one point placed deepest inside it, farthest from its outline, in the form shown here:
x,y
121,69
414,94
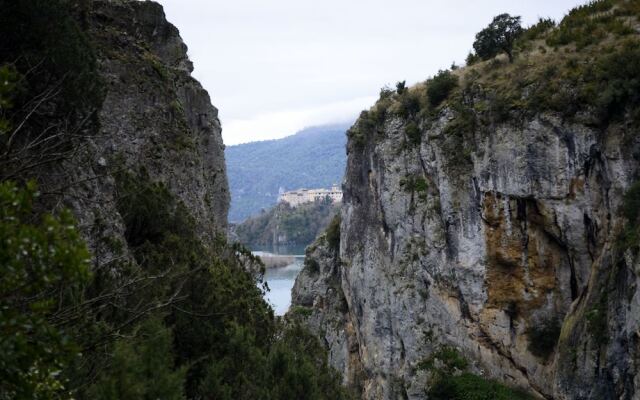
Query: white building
x,y
301,196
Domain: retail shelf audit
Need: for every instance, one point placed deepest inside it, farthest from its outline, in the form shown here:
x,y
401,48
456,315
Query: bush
x,y
409,104
439,87
333,233
450,358
453,382
537,30
413,133
401,87
472,387
543,338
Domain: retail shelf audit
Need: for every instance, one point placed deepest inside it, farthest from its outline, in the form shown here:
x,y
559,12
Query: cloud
x,y
275,66
274,125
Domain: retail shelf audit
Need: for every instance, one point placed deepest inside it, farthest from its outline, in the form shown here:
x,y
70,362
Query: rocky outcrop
x,y
498,237
318,298
156,121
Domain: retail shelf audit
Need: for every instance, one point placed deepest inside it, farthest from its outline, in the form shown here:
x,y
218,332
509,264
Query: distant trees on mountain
x,y
312,158
285,225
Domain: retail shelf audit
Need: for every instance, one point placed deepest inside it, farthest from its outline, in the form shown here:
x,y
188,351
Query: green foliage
x,y
536,31
631,203
301,311
591,23
439,87
613,85
543,338
44,261
448,360
597,318
415,184
295,226
226,343
630,236
453,382
409,103
472,58
413,133
311,264
467,386
142,367
498,37
333,233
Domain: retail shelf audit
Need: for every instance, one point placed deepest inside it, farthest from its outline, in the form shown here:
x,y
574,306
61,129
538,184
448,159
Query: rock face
x,y
489,251
155,120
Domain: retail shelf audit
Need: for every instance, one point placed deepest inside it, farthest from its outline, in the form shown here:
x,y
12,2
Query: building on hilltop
x,y
296,197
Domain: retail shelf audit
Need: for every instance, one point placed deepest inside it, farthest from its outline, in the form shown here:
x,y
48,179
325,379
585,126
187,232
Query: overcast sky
x,y
273,67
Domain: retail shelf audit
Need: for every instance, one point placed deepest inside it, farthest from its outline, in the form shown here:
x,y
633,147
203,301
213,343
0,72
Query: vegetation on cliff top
x,y
584,69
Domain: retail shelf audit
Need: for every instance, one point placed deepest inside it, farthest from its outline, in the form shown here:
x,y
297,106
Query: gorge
x,y
486,246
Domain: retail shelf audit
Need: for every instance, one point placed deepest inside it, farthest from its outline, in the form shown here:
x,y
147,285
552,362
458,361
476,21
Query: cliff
x,y
155,120
491,220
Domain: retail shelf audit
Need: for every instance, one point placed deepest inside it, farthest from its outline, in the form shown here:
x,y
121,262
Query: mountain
x,y
489,228
312,158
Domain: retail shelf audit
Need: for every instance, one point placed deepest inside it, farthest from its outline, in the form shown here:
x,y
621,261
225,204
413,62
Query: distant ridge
x,y
315,157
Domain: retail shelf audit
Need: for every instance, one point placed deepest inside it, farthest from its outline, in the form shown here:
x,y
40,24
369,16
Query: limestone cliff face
x,y
484,244
155,120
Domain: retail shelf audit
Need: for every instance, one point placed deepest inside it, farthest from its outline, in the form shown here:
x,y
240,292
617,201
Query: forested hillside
x,y
312,158
285,225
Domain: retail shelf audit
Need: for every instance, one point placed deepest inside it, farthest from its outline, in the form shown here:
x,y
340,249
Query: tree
x,y
498,36
43,263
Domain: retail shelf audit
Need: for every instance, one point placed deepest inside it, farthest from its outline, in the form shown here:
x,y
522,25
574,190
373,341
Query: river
x,y
281,280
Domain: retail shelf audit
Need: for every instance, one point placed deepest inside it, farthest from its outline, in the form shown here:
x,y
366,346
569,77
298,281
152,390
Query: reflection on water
x,y
282,250
281,280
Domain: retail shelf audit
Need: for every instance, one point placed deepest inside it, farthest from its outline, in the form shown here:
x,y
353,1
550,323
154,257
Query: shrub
x,y
401,87
312,265
415,184
450,358
453,382
597,324
333,233
409,104
439,87
468,386
472,58
536,30
543,338
413,133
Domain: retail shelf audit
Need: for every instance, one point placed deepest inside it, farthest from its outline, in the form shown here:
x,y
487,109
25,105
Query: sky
x,y
275,67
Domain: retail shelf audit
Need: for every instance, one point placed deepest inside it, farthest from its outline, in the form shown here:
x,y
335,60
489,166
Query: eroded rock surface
x,y
481,251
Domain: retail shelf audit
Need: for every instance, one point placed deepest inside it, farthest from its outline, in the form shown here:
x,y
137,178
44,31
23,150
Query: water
x,y
281,280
